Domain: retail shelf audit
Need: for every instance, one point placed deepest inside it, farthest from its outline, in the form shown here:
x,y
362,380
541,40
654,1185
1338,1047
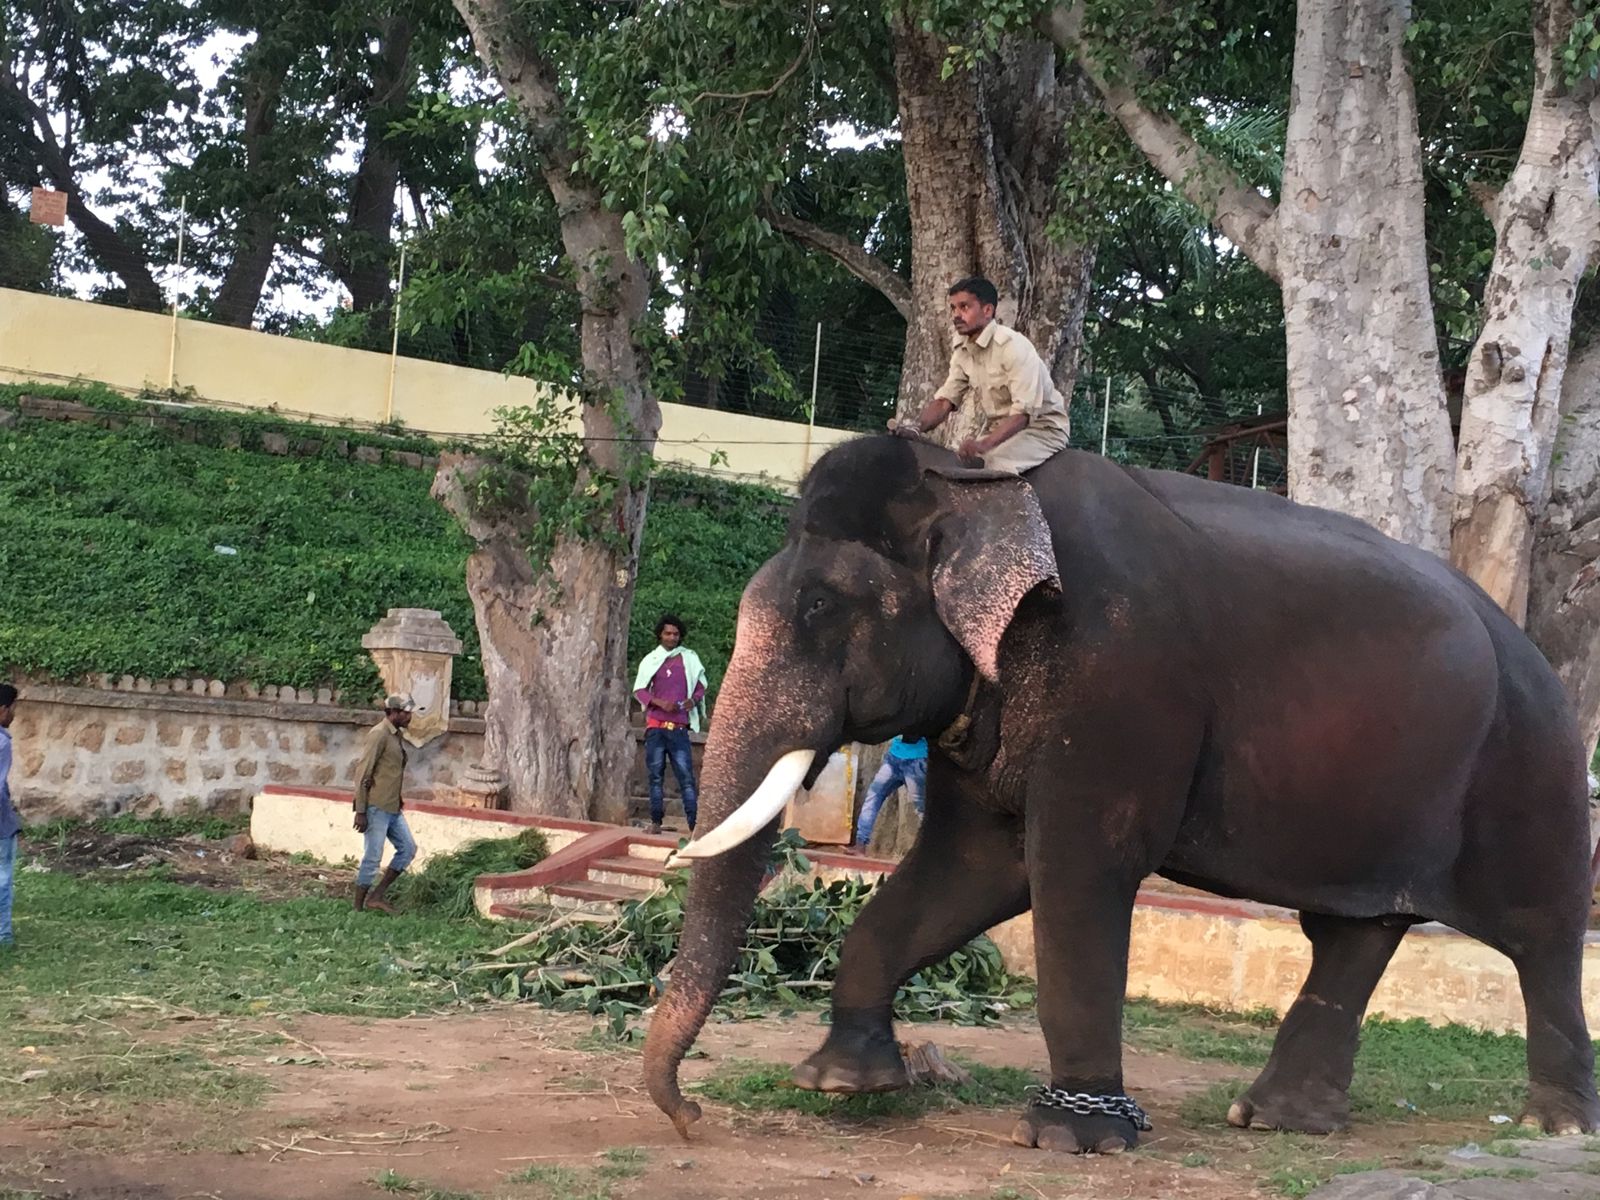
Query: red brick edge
x,y
573,862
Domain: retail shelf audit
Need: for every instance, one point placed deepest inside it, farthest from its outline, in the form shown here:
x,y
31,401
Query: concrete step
x,y
644,869
650,851
602,899
543,914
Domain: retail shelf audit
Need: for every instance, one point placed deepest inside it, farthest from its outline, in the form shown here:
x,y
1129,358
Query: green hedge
x,y
108,551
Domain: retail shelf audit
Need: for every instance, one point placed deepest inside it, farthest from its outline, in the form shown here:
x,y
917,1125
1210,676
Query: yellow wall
x,y
54,340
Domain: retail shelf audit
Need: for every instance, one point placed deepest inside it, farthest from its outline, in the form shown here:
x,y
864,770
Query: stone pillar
x,y
481,788
415,651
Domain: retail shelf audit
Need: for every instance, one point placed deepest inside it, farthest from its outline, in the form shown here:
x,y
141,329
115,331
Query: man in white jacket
x,y
670,685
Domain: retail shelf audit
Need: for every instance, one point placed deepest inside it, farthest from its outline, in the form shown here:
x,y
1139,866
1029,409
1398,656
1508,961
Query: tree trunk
x,y
557,720
112,251
1368,431
983,150
1547,223
365,260
256,238
51,164
556,727
1564,592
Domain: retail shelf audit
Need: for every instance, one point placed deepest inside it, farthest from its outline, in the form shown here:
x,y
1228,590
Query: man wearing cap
x,y
378,804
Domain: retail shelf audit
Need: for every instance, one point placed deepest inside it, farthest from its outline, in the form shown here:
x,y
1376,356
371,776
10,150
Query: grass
x,y
1450,1072
159,828
585,1183
107,962
1202,1034
444,887
219,952
115,532
765,1087
103,967
397,1184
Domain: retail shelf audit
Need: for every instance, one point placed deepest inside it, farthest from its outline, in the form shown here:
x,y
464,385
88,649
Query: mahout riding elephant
x,y
1148,673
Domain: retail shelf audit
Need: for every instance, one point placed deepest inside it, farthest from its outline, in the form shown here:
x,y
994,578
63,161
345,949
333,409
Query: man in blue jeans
x,y
905,763
10,823
670,684
379,815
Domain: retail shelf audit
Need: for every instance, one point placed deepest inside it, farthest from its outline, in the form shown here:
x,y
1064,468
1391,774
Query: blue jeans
x,y
382,825
659,746
912,772
8,869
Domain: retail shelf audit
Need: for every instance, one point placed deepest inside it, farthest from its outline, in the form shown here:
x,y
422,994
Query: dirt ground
x,y
463,1102
221,864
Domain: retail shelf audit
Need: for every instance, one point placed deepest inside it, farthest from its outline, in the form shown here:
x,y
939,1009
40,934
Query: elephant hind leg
x,y
1561,1087
1306,1083
963,877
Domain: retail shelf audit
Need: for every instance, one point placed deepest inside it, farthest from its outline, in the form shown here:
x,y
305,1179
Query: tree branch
x,y
763,93
1243,215
109,248
859,262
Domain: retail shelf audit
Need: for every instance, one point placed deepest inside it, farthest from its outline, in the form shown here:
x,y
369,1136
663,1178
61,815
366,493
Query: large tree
x,y
94,89
1346,241
552,576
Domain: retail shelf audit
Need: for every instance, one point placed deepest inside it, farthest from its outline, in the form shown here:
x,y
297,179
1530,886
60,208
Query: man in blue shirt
x,y
905,763
10,824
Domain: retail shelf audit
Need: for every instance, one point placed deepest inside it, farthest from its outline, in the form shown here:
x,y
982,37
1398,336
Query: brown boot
x,y
358,898
375,900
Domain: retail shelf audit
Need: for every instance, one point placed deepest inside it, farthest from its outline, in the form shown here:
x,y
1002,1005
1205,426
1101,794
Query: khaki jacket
x,y
382,769
1002,373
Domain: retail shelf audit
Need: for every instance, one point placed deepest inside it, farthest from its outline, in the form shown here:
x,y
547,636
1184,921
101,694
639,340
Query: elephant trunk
x,y
749,753
721,895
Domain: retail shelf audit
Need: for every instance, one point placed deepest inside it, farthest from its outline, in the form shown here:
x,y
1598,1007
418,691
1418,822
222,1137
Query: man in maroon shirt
x,y
670,685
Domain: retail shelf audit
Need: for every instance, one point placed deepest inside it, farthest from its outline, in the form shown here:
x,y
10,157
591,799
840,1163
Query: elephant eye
x,y
818,604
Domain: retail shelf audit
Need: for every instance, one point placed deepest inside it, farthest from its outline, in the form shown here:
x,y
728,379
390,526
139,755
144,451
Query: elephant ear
x,y
989,548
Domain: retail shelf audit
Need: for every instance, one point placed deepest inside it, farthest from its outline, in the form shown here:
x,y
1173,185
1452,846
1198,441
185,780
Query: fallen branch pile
x,y
788,960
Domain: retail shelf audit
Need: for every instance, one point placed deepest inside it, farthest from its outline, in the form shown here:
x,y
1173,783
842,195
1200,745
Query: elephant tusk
x,y
765,803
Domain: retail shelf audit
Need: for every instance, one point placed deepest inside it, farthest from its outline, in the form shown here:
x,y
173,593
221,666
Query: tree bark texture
x,y
1547,226
983,150
557,720
1241,213
1564,591
256,237
1368,430
364,264
556,726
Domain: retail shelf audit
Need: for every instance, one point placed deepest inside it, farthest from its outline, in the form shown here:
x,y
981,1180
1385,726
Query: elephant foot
x,y
1562,1110
1074,1133
859,1055
1322,1110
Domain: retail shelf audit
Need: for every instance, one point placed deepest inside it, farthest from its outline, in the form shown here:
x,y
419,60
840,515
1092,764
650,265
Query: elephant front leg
x,y
1081,918
964,876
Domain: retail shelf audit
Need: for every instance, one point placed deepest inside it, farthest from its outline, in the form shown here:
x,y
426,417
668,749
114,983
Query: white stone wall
x,y
89,752
308,822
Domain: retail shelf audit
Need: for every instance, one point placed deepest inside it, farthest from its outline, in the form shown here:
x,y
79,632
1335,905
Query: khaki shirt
x,y
1002,371
383,767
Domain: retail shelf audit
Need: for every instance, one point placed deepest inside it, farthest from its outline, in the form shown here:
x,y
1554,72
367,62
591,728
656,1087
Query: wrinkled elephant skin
x,y
1250,696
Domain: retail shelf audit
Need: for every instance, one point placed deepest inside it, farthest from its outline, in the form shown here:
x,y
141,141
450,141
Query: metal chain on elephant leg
x,y
1087,1104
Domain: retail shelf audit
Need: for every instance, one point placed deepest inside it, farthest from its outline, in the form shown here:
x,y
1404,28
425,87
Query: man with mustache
x,y
997,368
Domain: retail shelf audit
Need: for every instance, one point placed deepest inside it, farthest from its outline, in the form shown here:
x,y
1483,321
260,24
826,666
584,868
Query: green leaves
x,y
788,960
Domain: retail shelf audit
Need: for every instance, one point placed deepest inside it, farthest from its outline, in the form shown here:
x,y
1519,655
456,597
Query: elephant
x,y
1131,672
